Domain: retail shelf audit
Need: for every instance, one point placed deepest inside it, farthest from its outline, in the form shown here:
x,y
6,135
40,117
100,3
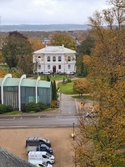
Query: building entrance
x,y
54,69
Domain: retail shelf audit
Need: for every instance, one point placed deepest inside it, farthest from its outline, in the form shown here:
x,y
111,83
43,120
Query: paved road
x,y
65,115
41,121
67,105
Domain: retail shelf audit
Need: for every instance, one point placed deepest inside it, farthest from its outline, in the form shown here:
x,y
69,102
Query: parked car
x,y
38,157
46,73
44,147
69,73
44,164
36,141
90,114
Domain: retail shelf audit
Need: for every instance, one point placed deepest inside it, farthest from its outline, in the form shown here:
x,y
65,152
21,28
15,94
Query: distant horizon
x,y
43,27
45,24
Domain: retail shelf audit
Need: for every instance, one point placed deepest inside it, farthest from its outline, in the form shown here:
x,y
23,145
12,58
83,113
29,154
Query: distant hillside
x,y
50,27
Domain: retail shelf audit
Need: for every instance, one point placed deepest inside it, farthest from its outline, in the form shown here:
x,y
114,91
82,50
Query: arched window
x,y
54,58
48,58
59,58
69,58
39,58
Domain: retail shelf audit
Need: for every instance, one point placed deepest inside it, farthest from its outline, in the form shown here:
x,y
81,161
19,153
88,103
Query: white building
x,y
54,59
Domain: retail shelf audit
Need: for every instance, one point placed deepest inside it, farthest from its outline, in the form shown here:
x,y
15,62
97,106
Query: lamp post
x,y
73,134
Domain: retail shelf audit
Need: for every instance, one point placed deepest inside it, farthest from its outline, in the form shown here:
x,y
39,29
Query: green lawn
x,y
66,88
13,113
56,77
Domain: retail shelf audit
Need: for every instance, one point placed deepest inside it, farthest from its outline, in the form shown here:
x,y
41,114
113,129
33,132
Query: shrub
x,y
32,106
53,104
69,80
2,108
42,105
9,108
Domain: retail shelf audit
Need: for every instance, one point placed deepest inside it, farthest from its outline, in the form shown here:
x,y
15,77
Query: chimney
x,y
62,46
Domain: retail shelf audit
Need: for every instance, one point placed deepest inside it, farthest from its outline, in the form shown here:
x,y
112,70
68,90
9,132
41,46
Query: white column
x,y
19,98
4,79
36,88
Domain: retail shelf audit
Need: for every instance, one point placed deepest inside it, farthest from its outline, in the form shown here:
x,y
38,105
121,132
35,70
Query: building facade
x,y
18,92
54,59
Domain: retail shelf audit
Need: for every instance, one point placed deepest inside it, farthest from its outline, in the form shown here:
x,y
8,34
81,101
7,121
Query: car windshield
x,y
45,140
48,155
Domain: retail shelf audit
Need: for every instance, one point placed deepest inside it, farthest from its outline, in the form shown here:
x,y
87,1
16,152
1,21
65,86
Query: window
x,y
69,58
44,156
59,66
54,58
49,67
59,58
68,66
48,58
39,67
39,58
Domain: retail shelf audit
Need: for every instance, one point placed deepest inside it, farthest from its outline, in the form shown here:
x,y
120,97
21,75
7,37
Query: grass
x,y
56,77
13,113
66,88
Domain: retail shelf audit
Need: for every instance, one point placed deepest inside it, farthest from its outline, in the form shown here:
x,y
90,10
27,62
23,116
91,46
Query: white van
x,y
44,164
37,157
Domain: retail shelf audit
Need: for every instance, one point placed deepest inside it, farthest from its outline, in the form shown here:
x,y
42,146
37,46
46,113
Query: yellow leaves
x,y
36,43
86,59
2,72
81,85
60,39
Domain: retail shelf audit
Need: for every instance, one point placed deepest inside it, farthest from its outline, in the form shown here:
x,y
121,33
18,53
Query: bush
x,y
42,105
53,104
32,106
9,108
69,80
2,108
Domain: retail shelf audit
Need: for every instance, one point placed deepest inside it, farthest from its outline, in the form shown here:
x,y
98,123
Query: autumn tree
x,y
17,51
1,58
100,142
60,39
81,86
36,43
2,73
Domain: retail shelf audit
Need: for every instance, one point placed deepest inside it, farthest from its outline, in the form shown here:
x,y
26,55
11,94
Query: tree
x,y
17,47
100,141
86,46
36,44
1,57
81,86
2,73
60,39
84,49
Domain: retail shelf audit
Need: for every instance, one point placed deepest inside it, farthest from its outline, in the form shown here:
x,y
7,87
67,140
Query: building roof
x,y
25,82
1,79
53,50
28,82
11,82
8,159
44,84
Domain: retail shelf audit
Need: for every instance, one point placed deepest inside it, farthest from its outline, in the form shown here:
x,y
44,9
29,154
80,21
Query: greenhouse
x,y
20,91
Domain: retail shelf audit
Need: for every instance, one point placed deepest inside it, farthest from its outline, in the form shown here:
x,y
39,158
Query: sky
x,y
16,12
